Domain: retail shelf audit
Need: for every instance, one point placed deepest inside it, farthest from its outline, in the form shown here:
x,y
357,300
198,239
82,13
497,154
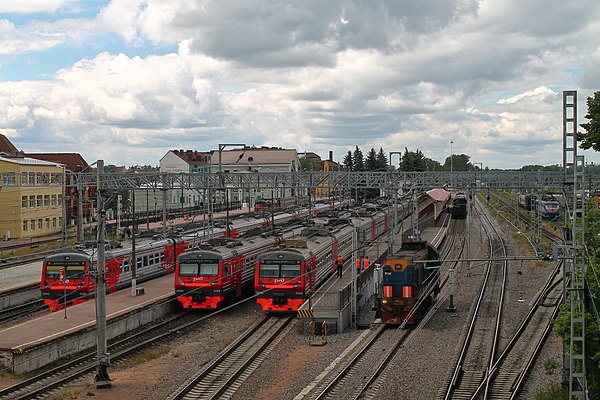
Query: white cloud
x,y
312,75
33,6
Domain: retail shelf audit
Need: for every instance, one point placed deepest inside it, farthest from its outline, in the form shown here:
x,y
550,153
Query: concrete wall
x,y
21,361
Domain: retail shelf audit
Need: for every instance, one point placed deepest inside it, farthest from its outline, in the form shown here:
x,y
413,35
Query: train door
x,y
236,273
334,255
311,272
112,275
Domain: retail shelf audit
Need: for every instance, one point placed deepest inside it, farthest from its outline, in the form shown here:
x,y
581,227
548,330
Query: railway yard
x,y
241,352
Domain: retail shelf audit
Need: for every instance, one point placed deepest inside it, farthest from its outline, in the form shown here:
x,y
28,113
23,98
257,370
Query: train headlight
x,y
384,301
179,281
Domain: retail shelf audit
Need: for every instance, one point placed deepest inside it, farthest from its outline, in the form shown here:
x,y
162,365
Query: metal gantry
x,y
573,168
334,180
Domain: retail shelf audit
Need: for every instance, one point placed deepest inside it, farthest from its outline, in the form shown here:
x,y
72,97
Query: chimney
x,y
330,155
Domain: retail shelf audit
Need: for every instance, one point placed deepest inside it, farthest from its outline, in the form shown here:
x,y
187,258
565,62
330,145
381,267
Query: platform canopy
x,y
439,194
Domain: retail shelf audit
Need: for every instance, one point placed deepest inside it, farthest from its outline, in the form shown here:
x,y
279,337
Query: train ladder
x,y
312,337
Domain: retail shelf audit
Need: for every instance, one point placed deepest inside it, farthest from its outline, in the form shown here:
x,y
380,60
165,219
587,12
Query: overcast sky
x,y
127,80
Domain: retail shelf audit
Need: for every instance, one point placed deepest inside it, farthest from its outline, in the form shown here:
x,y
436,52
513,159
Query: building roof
x,y
255,156
72,161
29,161
7,147
192,157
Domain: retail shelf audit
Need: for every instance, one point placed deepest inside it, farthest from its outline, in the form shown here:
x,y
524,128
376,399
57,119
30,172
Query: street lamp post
x,y
451,156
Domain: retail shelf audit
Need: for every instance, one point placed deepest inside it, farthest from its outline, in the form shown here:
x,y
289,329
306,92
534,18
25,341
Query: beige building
x,y
31,197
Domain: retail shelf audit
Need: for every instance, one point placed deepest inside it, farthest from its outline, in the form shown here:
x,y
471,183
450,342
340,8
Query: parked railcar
x,y
220,270
407,279
458,208
154,258
284,278
527,201
549,209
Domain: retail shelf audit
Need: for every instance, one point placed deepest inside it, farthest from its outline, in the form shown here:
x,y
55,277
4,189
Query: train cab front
x,y
279,284
65,283
197,282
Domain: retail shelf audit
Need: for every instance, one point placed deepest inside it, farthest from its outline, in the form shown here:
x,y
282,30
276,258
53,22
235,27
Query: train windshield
x,y
55,270
205,267
280,269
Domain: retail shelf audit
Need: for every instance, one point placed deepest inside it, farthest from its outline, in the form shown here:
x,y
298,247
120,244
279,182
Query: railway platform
x,y
32,344
332,305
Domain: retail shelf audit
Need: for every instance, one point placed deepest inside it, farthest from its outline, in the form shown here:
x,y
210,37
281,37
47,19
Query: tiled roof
x,y
192,157
439,194
6,146
72,161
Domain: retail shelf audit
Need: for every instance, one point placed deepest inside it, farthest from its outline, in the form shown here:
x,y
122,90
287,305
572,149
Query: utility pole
x,y
102,378
133,253
79,206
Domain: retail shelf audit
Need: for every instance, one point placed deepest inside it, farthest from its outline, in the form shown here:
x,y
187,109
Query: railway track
x,y
506,376
480,343
226,373
44,383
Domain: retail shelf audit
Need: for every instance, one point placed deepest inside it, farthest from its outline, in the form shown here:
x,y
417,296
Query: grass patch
x,y
554,392
141,358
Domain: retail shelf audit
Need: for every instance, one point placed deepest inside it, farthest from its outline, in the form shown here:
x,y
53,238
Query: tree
x,y
307,164
348,161
591,138
412,161
382,161
371,161
358,160
460,162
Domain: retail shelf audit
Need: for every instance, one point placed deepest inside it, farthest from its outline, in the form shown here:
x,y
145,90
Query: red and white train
x,y
72,272
284,278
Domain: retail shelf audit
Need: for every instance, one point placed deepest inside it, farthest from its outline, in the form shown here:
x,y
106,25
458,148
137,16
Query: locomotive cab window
x,y
199,268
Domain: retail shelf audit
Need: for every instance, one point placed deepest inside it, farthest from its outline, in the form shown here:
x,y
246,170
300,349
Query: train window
x,y
126,265
202,268
145,261
269,271
53,272
139,263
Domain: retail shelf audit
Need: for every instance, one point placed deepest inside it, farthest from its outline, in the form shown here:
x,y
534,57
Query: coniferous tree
x,y
348,164
371,161
382,161
358,162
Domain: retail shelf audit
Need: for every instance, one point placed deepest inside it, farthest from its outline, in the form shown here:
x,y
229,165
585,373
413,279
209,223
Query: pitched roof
x,y
439,194
255,156
29,161
6,146
72,161
192,157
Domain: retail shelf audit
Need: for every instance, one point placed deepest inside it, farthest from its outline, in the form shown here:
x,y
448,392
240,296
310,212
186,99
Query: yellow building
x,y
31,197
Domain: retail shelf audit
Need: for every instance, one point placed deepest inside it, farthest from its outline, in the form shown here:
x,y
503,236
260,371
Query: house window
x,y
32,178
32,224
23,178
47,223
31,201
54,222
53,200
40,223
46,200
23,201
38,202
60,200
60,222
9,178
25,226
